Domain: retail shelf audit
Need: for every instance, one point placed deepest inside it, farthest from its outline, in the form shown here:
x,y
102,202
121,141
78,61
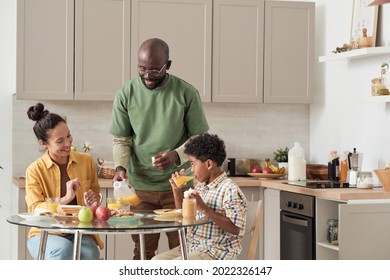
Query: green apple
x,y
85,215
73,148
85,225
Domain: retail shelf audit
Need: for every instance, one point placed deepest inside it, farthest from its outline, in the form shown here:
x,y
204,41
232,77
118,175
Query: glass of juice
x,y
113,203
52,203
186,175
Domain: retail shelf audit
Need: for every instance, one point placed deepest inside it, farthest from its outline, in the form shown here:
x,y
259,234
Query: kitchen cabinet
x,y
238,34
289,52
263,51
271,224
72,50
364,229
86,49
186,27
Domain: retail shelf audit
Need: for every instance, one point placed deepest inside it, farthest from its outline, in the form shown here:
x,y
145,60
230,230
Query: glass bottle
x,y
333,231
364,180
333,166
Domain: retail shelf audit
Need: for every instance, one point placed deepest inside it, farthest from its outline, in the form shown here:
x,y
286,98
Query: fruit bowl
x,y
267,175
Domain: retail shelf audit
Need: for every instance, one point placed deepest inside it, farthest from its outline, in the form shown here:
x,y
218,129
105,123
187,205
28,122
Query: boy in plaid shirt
x,y
217,197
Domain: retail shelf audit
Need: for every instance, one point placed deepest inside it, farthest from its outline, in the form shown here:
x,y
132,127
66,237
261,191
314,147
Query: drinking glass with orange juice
x,y
52,203
184,178
113,203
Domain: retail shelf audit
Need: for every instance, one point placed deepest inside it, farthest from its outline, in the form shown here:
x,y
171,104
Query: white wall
x,y
7,87
344,115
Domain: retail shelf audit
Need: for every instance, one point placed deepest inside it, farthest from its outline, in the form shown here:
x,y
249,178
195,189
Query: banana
x,y
282,170
270,165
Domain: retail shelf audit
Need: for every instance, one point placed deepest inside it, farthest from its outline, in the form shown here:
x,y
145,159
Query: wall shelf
x,y
328,245
356,54
382,98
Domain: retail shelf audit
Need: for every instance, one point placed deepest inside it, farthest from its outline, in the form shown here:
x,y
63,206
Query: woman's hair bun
x,y
37,112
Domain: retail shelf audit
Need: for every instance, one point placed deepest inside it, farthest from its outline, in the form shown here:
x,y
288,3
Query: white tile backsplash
x,y
249,130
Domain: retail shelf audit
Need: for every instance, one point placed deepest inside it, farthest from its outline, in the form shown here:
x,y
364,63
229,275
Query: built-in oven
x,y
297,226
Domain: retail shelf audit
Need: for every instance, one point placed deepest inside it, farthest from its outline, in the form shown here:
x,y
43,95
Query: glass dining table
x,y
141,223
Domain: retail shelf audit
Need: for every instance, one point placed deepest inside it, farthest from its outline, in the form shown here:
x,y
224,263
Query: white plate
x,y
32,217
168,218
168,212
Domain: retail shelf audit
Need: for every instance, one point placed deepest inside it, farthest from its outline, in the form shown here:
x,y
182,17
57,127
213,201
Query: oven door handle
x,y
295,221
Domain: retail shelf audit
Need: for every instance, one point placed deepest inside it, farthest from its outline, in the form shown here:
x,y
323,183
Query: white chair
x,y
253,224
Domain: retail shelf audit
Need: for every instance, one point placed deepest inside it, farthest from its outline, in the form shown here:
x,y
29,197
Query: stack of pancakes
x,y
68,210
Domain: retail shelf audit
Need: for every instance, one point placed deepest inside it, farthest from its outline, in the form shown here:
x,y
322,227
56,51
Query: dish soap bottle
x,y
296,163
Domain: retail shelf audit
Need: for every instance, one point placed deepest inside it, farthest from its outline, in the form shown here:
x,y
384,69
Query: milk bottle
x,y
296,163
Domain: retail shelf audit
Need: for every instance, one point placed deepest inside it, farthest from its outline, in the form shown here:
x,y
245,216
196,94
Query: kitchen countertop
x,y
343,194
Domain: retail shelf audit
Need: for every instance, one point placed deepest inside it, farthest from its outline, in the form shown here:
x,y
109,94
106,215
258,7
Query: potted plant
x,y
281,157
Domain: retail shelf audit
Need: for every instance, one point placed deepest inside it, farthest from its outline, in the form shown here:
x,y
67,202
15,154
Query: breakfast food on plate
x,y
121,213
68,210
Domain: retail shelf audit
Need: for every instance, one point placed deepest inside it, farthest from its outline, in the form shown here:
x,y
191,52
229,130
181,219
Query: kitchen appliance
x,y
356,165
316,184
240,166
319,184
297,226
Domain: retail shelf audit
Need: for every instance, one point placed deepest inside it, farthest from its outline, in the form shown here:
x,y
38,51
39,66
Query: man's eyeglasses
x,y
151,72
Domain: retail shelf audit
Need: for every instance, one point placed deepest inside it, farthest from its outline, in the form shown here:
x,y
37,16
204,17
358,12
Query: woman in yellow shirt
x,y
59,172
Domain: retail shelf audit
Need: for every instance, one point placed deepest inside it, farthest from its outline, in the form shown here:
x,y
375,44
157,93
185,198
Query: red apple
x,y
256,169
267,170
102,213
93,207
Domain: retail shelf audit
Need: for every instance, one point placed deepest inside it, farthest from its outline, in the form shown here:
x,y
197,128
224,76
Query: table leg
x,y
183,244
77,245
142,246
42,245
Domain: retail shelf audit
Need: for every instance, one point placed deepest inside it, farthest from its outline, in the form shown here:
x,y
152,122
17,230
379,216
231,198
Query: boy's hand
x,y
200,205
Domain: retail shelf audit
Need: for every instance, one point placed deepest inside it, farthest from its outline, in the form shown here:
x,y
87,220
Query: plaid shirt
x,y
223,196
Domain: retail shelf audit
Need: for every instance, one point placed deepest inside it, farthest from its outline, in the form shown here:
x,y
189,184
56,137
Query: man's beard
x,y
156,82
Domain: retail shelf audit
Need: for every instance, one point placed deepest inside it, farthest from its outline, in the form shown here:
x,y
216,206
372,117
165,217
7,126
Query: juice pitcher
x,y
126,193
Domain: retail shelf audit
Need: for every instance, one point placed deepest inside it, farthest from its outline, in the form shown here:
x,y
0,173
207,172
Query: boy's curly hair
x,y
206,146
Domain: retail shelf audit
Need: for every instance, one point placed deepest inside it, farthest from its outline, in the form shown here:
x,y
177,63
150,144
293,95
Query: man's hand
x,y
120,174
164,160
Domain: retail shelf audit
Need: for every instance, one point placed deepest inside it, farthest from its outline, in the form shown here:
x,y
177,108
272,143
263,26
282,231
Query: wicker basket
x,y
384,177
106,169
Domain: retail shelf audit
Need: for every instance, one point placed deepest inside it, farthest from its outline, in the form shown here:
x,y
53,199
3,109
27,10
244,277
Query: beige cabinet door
x,y
102,48
238,51
289,52
364,231
186,26
45,49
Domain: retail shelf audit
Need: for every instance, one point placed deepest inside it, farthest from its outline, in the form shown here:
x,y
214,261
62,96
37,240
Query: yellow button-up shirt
x,y
43,179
